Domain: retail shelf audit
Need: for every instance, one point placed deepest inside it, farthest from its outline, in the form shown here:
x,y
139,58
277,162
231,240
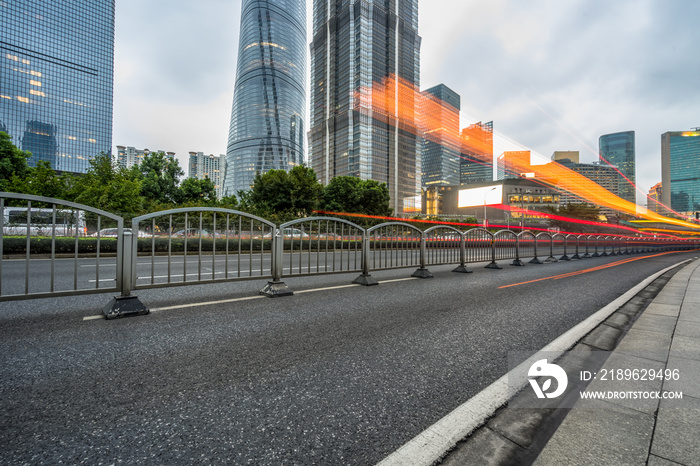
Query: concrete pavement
x,y
666,336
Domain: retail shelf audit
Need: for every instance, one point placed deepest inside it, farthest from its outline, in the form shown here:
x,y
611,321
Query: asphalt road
x,y
336,376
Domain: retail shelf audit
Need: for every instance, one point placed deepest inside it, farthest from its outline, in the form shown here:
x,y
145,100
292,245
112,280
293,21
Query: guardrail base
x,y
517,263
462,269
422,273
365,280
493,265
535,261
551,259
276,290
587,256
124,306
576,256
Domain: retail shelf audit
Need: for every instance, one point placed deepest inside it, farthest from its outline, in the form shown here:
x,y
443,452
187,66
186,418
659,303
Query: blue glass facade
x,y
357,44
56,79
440,162
680,170
618,149
267,118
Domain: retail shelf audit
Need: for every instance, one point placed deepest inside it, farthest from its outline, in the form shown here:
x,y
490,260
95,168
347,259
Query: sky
x,y
551,74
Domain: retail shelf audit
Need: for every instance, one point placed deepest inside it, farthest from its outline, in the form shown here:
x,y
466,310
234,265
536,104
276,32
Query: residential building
x,y
269,100
357,46
476,159
618,149
440,145
128,156
207,166
56,79
680,170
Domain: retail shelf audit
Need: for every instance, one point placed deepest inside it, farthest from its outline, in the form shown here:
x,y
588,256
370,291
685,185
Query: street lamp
x,y
485,195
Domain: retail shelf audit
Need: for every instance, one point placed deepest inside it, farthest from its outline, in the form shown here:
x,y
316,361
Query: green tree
x,y
41,180
108,186
282,195
159,176
195,191
13,161
353,195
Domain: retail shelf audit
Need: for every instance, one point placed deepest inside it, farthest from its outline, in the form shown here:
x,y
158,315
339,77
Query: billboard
x,y
473,197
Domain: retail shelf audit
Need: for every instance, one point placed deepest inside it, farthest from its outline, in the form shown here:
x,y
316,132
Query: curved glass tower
x,y
267,118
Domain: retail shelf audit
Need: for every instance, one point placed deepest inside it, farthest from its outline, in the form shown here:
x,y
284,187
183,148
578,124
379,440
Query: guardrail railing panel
x,y
200,244
443,245
394,245
478,244
321,245
57,247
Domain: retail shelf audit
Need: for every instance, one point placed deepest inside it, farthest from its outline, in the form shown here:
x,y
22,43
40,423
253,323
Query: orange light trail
x,y
402,105
593,269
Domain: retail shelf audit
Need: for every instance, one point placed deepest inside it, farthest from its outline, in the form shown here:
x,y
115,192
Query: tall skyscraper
x,y
269,100
357,45
680,170
509,162
440,149
618,150
207,166
56,79
476,160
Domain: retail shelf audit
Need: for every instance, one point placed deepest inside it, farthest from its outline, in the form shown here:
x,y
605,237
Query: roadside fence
x,y
50,247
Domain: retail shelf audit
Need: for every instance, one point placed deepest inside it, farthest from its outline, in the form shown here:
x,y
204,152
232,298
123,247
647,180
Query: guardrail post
x,y
126,305
422,272
588,243
576,255
565,257
551,257
595,254
535,260
462,268
612,247
276,288
517,262
493,264
365,279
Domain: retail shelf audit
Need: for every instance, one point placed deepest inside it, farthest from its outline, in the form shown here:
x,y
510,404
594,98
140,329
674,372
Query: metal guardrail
x,y
207,245
24,242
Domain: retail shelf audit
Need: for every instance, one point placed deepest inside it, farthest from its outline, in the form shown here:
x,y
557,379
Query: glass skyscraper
x,y
476,160
267,118
56,79
356,45
618,150
441,148
680,170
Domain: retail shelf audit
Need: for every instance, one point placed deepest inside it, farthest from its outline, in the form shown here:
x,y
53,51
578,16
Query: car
x,y
113,233
290,233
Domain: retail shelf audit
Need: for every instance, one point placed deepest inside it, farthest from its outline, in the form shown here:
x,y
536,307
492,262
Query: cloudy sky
x,y
551,74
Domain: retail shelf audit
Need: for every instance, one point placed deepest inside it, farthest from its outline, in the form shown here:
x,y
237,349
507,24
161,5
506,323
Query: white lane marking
x,y
327,288
431,444
209,303
93,317
248,298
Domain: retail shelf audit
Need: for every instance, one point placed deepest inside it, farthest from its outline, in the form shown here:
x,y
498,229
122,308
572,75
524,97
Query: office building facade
x,y
618,149
654,200
440,144
56,79
476,159
356,46
680,170
600,173
207,166
269,101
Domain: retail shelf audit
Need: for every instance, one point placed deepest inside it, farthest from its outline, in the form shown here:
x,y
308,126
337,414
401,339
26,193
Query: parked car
x,y
194,233
113,232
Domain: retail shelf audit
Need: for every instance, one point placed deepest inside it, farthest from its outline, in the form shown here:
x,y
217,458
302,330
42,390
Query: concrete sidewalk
x,y
656,432
615,431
